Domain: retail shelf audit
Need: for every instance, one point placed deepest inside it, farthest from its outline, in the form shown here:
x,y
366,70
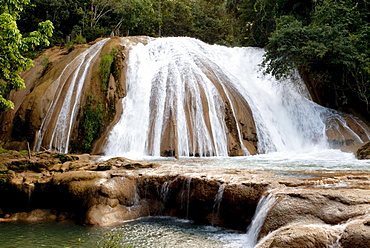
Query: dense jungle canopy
x,y
326,40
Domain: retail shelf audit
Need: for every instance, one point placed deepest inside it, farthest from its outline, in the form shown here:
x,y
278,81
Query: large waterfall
x,y
57,124
179,89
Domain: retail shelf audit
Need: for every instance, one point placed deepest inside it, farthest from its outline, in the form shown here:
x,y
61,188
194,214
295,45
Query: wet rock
x,y
300,236
32,216
325,206
356,234
104,215
364,151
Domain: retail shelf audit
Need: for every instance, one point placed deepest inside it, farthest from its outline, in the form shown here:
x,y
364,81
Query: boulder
x,y
301,235
356,234
32,216
316,205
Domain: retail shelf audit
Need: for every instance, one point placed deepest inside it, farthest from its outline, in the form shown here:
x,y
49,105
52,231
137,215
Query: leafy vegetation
x,y
112,241
333,47
105,68
91,122
13,44
326,40
90,19
65,158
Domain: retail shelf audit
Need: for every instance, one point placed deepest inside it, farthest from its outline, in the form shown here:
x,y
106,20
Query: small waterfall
x,y
185,197
56,127
30,188
217,203
180,89
164,192
263,208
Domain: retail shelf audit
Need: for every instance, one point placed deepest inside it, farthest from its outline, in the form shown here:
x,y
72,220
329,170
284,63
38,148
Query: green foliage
x,y
45,62
80,39
13,44
105,68
23,152
91,122
3,150
112,241
91,19
77,40
64,157
333,47
257,18
103,167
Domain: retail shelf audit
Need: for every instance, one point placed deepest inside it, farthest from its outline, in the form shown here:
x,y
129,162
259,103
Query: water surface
x,y
143,232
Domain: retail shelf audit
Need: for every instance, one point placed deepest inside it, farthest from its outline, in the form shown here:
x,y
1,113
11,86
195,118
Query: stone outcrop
x,y
346,131
311,209
363,151
356,234
43,88
319,215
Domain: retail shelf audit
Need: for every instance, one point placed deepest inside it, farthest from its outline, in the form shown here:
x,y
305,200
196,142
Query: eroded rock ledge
x,y
312,209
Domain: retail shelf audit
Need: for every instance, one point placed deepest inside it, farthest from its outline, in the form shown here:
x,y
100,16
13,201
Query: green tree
x,y
333,48
257,18
13,44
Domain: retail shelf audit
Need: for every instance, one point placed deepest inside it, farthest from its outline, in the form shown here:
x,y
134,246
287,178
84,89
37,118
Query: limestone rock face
x,y
326,206
340,132
364,151
356,234
299,236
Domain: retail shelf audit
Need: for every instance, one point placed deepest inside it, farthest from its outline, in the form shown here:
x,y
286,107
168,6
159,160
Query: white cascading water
x,y
161,76
264,206
167,71
74,74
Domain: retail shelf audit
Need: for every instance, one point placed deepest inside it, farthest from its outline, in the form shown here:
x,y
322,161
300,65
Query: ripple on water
x,y
143,232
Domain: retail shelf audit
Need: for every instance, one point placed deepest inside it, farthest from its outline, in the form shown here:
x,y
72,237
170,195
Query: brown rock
x,y
34,215
300,235
356,234
103,215
330,206
364,151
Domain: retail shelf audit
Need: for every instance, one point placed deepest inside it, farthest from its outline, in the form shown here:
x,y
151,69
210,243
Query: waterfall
x,y
263,208
185,197
164,192
58,121
217,204
179,89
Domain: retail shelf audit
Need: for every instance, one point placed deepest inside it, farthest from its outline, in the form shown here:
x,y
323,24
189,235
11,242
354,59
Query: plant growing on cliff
x,y
105,68
13,45
91,122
